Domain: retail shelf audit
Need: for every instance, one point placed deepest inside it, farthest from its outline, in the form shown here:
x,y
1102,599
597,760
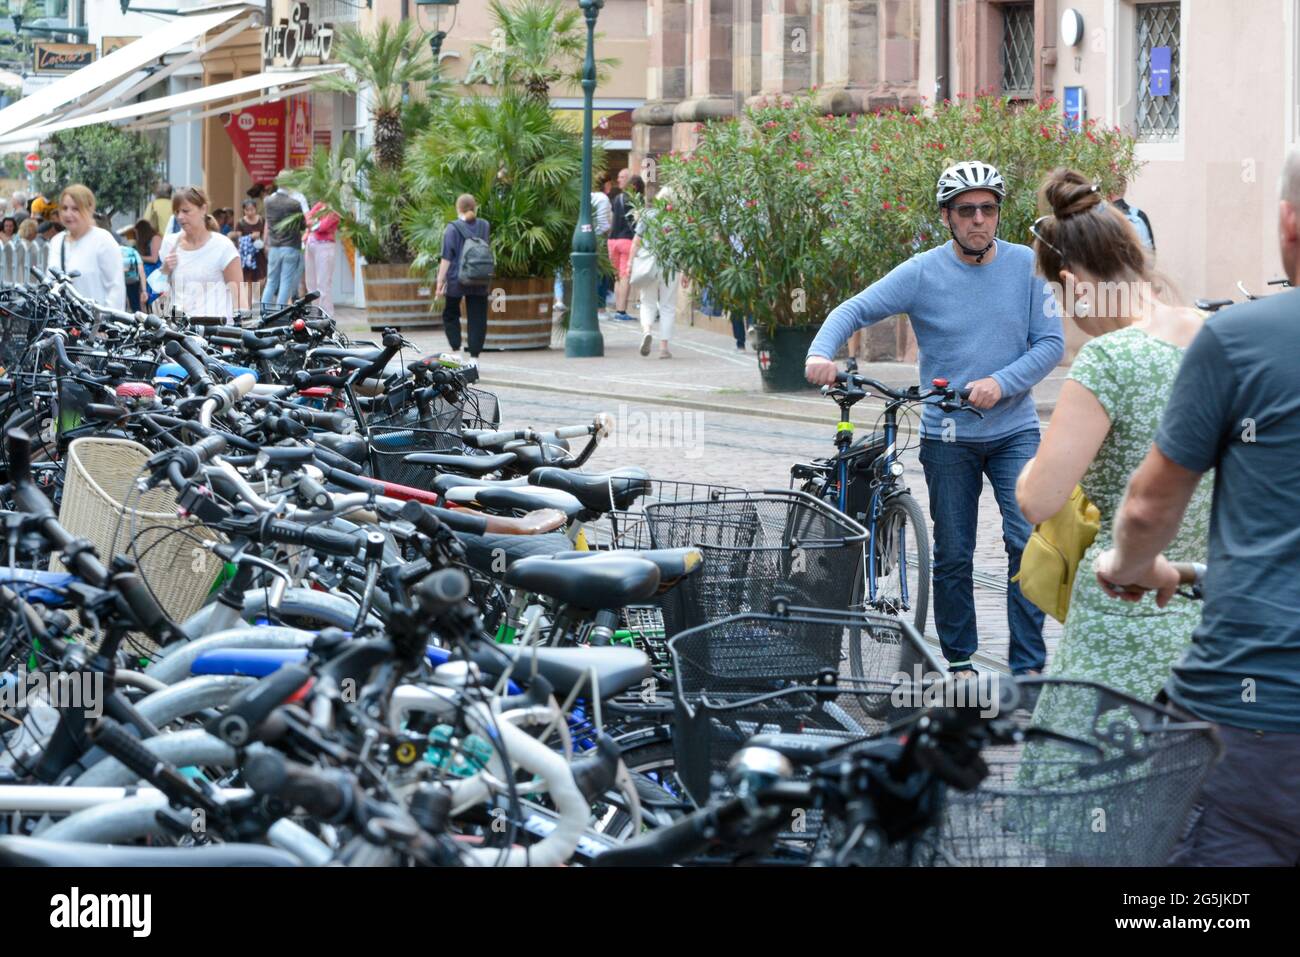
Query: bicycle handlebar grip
x,y
326,795
250,707
429,520
208,446
484,439
194,369
328,540
234,390
116,742
18,451
442,589
574,431
330,421
329,459
312,492
669,845
147,612
103,412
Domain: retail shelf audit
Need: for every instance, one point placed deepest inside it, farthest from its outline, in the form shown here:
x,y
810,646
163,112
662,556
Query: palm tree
x,y
522,164
539,43
389,63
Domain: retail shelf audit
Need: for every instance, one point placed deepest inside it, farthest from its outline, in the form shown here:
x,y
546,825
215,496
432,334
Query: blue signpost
x,y
1160,71
1074,108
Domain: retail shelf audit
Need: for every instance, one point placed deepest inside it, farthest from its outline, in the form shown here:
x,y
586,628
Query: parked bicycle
x,y
864,480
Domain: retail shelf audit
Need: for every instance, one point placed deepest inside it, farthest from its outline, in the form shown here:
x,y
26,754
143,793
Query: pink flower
x,y
801,165
885,205
795,135
770,124
669,207
885,170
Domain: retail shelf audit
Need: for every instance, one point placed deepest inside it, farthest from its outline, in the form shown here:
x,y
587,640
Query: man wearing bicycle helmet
x,y
983,321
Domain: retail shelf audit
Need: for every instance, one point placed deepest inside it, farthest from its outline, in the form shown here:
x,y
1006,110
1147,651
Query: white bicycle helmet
x,y
967,175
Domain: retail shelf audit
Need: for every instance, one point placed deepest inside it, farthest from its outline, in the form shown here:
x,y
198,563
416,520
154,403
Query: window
x,y
1157,115
1017,50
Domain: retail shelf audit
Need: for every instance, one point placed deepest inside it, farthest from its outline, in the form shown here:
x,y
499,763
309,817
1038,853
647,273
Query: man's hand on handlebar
x,y
820,371
984,393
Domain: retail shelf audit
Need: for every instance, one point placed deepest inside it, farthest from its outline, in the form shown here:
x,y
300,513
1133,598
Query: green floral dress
x,y
1130,646
1051,810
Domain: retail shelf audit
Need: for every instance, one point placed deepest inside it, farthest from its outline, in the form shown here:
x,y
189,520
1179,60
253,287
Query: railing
x,y
17,258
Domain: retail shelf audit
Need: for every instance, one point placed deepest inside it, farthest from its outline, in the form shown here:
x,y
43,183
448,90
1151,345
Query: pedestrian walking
x,y
657,288
149,245
1140,220
1232,409
201,265
622,232
983,321
466,228
322,225
88,249
252,250
284,260
1101,429
603,212
159,211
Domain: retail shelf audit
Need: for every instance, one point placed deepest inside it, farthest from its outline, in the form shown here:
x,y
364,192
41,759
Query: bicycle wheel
x,y
901,553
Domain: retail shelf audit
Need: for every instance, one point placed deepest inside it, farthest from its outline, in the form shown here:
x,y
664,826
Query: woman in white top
x,y
202,265
89,250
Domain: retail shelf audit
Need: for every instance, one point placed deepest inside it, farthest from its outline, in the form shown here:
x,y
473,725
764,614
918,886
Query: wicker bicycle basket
x,y
100,503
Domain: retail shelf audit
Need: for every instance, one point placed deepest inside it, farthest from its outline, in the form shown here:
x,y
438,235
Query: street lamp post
x,y
584,338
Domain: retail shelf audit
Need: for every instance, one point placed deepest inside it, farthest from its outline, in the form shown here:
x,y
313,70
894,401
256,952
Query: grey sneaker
x,y
645,344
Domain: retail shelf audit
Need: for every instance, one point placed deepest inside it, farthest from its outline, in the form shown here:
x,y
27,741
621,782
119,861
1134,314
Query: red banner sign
x,y
258,136
300,141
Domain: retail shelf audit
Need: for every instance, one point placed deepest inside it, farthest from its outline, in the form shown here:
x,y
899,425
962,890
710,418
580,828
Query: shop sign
x,y
296,37
62,57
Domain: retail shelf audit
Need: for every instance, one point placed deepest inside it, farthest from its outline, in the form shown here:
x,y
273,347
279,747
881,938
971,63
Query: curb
x,y
1043,408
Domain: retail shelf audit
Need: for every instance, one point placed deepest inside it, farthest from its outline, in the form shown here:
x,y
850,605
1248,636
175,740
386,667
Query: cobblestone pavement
x,y
726,449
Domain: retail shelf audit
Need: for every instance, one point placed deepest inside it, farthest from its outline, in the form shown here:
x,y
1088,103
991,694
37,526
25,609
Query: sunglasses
x,y
1033,231
967,210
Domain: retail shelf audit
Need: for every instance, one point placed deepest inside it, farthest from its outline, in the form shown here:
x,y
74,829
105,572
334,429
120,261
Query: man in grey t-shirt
x,y
284,262
1234,409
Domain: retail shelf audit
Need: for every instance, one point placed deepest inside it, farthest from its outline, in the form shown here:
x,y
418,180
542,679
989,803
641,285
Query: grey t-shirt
x,y
279,207
1235,408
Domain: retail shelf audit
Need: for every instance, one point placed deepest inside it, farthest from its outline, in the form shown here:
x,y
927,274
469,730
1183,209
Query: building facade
x,y
1208,88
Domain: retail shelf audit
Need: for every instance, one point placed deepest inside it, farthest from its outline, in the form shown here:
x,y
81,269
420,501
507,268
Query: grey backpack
x,y
476,262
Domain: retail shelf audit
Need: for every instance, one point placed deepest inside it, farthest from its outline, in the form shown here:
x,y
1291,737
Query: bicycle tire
x,y
906,509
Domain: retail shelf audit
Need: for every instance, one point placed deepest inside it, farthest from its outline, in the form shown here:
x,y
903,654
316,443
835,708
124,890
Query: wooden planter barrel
x,y
396,298
519,313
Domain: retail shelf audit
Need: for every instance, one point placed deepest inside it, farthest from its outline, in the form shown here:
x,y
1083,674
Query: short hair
x,y
636,183
164,190
466,203
27,229
1290,180
81,197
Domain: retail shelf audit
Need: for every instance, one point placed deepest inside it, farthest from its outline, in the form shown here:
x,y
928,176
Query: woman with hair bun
x,y
1103,426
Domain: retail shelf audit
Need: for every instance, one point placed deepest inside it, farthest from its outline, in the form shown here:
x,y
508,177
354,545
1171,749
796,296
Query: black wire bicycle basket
x,y
785,673
1117,797
757,546
389,447
18,329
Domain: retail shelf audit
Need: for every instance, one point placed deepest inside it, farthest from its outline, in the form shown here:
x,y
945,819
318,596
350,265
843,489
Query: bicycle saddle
x,y
487,553
473,464
617,669
443,484
674,563
515,498
598,492
339,353
607,581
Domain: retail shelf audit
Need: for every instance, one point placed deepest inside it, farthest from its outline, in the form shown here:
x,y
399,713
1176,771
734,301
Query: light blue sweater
x,y
997,319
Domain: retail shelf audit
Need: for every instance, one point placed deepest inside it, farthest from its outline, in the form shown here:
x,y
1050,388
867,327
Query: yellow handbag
x,y
1052,554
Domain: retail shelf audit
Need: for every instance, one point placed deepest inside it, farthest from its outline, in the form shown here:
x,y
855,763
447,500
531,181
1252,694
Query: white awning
x,y
286,79
110,69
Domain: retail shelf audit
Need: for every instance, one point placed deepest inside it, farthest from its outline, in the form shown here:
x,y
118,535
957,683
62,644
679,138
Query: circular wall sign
x,y
1071,27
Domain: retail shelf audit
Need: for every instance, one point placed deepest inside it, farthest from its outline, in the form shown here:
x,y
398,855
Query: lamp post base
x,y
583,339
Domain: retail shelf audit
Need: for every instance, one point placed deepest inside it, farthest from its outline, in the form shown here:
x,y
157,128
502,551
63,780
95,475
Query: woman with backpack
x,y
463,273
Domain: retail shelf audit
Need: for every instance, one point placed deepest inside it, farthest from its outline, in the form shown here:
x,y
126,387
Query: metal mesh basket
x,y
761,673
1120,798
139,368
390,446
17,331
757,547
627,528
480,410
442,416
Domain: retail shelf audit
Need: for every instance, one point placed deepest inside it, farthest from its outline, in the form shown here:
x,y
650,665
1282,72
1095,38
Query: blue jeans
x,y
954,472
283,270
